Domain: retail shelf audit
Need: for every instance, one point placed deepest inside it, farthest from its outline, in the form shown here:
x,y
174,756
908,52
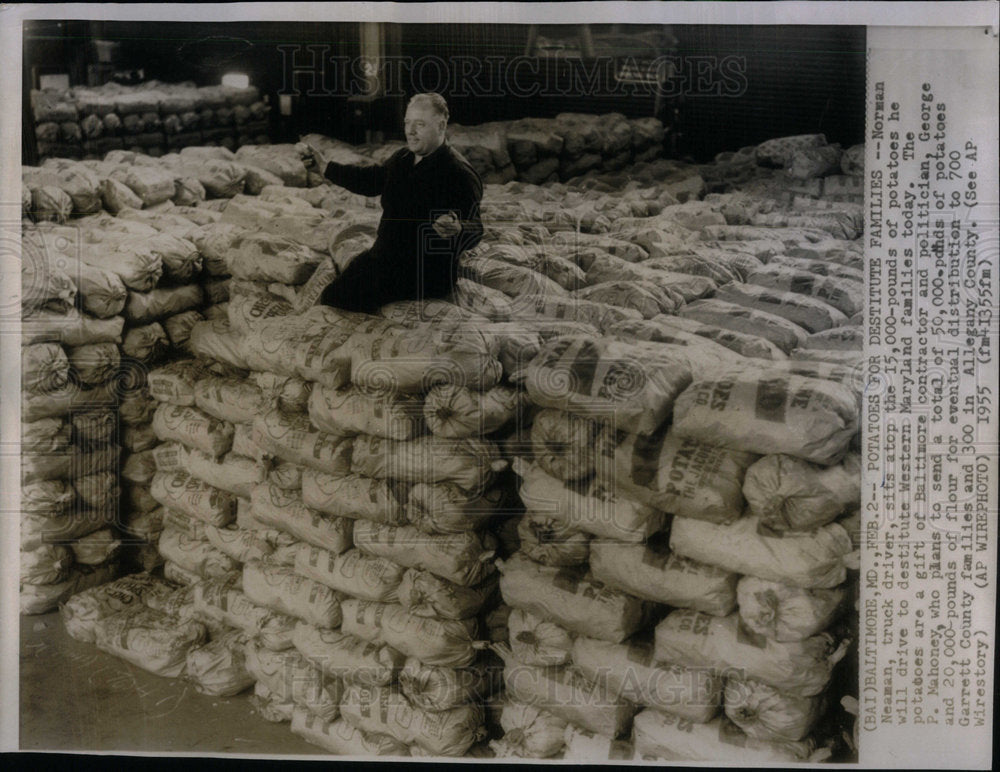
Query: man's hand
x,y
312,157
447,225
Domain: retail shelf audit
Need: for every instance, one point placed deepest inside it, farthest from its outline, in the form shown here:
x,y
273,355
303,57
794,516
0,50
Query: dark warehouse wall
x,y
799,80
786,79
733,86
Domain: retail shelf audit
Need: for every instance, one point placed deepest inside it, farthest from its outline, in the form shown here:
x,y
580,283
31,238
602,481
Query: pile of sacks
x,y
668,371
691,482
361,538
152,118
275,510
106,298
804,165
542,150
683,557
70,444
138,187
536,151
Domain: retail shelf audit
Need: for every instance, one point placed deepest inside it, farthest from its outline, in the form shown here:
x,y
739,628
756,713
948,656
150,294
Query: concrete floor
x,y
75,697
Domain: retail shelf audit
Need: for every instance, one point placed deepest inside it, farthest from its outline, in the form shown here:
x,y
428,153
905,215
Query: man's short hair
x,y
433,100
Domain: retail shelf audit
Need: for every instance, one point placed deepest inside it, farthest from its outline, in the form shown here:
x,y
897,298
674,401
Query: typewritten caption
x,y
930,430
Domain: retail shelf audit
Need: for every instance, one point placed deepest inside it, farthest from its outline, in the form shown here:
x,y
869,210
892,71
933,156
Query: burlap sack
x,y
567,597
630,670
347,657
681,475
282,589
656,574
791,494
660,735
462,558
816,559
291,678
803,668
149,639
387,711
341,738
803,417
352,573
283,510
784,612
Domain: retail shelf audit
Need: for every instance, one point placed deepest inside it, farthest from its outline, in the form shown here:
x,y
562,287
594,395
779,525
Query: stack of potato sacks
x,y
690,500
82,280
71,327
159,320
187,472
387,481
395,463
720,605
537,150
283,517
153,118
303,451
149,274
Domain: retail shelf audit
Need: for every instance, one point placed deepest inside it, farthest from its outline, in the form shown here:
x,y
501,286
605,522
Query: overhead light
x,y
236,80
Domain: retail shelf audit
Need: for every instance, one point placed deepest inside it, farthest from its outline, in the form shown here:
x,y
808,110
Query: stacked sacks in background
x,y
141,125
596,142
534,149
797,165
152,117
784,270
57,127
543,150
485,147
577,206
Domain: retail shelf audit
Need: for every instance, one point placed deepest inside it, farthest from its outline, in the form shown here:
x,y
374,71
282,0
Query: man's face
x,y
424,129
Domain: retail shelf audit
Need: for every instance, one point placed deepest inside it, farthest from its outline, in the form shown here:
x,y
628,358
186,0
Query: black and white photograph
x,y
527,389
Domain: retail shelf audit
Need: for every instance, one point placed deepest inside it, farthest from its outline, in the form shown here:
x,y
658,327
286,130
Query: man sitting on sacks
x,y
430,215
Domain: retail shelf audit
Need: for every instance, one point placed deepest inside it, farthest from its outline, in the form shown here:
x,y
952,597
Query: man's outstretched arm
x,y
365,180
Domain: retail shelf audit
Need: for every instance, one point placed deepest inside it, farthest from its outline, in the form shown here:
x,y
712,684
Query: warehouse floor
x,y
76,697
